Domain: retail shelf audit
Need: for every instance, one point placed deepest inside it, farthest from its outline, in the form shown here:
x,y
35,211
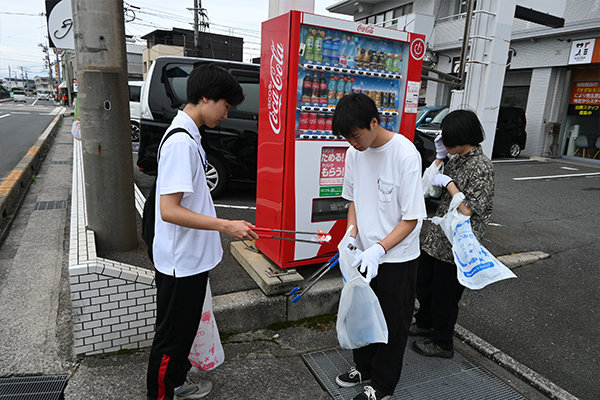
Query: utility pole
x,y
104,112
200,25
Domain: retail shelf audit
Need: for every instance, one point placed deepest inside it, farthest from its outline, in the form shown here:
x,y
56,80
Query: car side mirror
x,y
428,119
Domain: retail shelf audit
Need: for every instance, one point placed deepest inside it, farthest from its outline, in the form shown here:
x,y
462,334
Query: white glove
x,y
441,180
351,243
369,260
440,150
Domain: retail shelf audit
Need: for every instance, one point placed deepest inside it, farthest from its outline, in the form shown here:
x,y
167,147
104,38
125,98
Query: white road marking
x,y
20,112
5,115
238,207
529,178
570,168
36,100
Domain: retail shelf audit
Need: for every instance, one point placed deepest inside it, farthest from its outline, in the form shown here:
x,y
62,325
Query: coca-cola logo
x,y
365,28
275,86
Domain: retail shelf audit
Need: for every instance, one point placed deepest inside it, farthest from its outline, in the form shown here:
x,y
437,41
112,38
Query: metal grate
x,y
422,377
50,205
59,162
33,388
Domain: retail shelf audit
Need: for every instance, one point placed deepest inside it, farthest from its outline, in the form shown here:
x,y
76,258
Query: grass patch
x,y
321,322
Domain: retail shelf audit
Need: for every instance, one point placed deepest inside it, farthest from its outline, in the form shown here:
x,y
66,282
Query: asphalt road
x,y
20,126
547,318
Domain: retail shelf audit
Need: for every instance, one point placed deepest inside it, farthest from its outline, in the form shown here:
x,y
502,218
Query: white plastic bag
x,y
207,352
476,266
428,174
360,320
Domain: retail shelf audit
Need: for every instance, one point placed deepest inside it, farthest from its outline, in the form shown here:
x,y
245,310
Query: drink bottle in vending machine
x,y
308,63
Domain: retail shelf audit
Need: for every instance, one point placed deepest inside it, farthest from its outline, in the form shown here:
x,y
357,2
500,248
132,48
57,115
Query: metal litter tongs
x,y
311,280
318,237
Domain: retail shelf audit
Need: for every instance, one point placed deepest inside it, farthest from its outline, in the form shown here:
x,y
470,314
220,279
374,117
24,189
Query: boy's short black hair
x,y
214,83
461,127
353,111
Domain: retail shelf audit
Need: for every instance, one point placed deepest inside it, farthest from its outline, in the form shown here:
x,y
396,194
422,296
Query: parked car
x,y
231,147
19,95
509,140
135,108
426,114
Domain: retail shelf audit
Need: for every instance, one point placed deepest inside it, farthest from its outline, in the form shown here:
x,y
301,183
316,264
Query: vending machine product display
x,y
309,62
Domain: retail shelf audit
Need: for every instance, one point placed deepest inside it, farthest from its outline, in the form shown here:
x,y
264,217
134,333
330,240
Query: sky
x,y
23,28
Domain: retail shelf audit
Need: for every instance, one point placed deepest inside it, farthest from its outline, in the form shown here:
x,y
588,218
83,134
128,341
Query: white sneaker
x,y
193,390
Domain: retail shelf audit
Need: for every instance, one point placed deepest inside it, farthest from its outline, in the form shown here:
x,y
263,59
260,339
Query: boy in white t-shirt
x,y
187,243
383,182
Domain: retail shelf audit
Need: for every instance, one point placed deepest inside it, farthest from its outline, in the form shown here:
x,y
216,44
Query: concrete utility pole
x,y
104,113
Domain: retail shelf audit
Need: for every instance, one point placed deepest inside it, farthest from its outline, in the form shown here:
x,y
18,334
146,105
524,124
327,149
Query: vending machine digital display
x,y
308,62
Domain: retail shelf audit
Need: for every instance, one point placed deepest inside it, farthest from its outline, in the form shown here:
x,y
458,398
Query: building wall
x,y
159,50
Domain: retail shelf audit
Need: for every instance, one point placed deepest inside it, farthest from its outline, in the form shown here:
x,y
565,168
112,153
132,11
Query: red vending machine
x,y
308,62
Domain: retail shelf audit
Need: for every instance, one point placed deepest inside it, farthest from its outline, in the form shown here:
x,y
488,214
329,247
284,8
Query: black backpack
x,y
148,214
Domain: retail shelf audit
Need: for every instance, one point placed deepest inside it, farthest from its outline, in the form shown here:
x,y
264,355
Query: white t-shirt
x,y
180,251
385,185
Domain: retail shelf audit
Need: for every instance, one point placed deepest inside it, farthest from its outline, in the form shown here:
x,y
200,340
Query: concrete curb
x,y
510,364
15,186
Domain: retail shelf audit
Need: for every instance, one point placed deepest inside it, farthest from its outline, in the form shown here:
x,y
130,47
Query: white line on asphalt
x,y
570,168
512,161
5,115
36,100
528,178
20,112
238,207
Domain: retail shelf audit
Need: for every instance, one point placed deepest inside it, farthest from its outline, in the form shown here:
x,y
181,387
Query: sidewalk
x,y
266,363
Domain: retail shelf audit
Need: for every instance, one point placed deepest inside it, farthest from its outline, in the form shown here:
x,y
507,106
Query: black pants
x,y
394,286
178,311
438,292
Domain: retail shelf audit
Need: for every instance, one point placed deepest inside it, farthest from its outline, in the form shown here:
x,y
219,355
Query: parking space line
x,y
5,115
529,178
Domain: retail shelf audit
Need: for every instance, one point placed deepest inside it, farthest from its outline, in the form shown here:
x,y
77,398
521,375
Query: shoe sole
x,y
418,350
342,383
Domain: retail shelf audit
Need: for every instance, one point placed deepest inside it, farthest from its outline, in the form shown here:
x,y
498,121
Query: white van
x,y
135,108
43,94
19,95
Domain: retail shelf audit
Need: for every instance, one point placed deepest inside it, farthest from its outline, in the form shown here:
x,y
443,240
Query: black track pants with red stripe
x,y
178,312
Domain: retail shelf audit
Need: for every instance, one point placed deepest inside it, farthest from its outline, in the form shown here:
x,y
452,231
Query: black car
x,y
510,137
231,147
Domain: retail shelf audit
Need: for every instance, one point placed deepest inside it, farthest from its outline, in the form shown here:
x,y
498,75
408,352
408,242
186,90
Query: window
x,y
177,75
134,93
250,83
389,17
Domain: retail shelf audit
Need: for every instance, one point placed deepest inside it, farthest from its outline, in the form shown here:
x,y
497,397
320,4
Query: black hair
x,y
353,111
214,83
461,127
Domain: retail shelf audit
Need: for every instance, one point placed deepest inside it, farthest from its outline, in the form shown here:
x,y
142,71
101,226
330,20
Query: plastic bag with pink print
x,y
207,352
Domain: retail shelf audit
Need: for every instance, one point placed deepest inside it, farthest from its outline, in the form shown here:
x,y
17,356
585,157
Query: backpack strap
x,y
171,133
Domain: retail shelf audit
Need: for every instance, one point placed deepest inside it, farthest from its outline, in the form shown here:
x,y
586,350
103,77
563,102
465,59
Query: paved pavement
x,y
260,364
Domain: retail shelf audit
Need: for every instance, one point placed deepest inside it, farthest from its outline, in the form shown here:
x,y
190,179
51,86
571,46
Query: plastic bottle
x,y
318,47
322,89
397,63
352,52
331,90
309,43
343,50
327,44
335,50
348,86
389,62
306,88
341,85
315,89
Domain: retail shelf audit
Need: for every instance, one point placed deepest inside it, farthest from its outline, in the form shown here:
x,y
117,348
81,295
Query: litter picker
x,y
318,237
311,280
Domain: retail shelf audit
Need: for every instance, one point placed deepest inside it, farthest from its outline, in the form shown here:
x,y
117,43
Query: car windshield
x,y
441,115
19,92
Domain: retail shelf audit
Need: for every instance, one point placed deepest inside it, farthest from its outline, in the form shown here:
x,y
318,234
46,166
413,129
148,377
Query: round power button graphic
x,y
417,49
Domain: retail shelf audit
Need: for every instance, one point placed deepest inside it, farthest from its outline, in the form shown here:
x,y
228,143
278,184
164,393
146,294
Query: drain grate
x,y
50,205
33,388
59,162
422,377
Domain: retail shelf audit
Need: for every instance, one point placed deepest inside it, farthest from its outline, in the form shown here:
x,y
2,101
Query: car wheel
x,y
216,176
514,150
135,131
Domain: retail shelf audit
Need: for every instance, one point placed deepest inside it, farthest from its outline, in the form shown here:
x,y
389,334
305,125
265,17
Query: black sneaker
x,y
427,348
371,394
351,378
414,330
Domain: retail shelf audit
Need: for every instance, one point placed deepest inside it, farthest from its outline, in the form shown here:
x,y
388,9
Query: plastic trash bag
x,y
428,174
476,266
207,352
360,320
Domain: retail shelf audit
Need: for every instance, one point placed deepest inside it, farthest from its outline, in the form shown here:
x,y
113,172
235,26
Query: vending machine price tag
x,y
332,166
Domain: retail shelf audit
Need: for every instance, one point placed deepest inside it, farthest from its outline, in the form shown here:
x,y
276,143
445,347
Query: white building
x,y
559,89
